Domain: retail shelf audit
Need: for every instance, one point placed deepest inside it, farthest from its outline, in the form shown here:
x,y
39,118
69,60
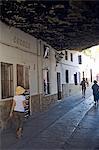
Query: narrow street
x,y
71,124
49,72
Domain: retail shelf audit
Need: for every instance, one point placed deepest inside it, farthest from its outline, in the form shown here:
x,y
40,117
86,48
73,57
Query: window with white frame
x,y
6,80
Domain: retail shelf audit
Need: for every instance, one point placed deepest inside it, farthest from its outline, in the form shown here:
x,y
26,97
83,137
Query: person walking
x,y
18,109
95,88
83,84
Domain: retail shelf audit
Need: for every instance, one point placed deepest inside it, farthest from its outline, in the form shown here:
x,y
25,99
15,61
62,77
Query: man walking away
x,y
95,88
83,84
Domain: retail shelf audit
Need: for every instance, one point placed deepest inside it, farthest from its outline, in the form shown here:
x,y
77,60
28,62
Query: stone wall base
x,y
70,89
5,107
42,102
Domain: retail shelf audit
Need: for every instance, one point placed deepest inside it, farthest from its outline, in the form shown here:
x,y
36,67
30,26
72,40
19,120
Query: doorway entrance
x,y
59,85
46,81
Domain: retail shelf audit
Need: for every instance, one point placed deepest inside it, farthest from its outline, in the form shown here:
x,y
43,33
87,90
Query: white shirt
x,y
19,103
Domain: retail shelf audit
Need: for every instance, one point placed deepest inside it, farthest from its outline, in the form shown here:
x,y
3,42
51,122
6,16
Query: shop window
x,y
6,80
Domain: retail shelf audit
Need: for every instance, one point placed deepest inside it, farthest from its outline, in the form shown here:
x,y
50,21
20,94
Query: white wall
x,y
72,67
13,51
16,56
17,38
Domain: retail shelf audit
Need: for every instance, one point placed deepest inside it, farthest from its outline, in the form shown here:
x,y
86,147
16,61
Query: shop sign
x,y
21,42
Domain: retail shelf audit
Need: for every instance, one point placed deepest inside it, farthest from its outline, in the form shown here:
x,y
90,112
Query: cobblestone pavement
x,y
62,127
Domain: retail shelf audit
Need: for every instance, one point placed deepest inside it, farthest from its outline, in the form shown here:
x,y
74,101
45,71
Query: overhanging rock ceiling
x,y
62,24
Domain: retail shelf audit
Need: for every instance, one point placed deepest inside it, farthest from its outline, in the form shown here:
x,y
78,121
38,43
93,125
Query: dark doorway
x,y
48,86
75,78
67,76
59,85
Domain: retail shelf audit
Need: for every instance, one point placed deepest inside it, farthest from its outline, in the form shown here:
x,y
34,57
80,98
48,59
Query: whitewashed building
x,y
35,65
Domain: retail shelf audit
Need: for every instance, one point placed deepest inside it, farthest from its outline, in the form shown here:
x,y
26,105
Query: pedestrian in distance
x,y
18,109
95,88
83,84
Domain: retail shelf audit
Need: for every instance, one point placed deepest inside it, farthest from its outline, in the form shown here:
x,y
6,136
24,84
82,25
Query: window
x,y
23,76
80,59
71,56
46,81
20,76
66,55
75,78
6,80
26,82
67,76
46,51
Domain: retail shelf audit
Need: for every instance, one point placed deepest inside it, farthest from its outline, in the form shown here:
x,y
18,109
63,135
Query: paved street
x,y
71,124
86,135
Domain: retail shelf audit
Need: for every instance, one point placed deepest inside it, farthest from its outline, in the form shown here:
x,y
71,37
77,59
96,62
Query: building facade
x,y
48,75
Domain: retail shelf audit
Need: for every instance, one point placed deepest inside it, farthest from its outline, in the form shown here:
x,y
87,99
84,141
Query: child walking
x,y
18,109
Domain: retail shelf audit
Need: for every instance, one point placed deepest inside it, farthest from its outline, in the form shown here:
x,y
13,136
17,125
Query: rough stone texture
x,y
62,24
35,103
5,107
48,100
42,102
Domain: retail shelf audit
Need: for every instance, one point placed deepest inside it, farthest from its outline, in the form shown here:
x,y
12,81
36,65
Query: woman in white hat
x,y
18,107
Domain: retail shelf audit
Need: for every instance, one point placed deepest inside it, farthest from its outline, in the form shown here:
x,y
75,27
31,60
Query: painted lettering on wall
x,y
21,42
